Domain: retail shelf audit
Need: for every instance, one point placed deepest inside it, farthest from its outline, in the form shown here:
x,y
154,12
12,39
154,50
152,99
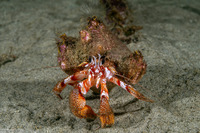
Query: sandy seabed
x,y
170,43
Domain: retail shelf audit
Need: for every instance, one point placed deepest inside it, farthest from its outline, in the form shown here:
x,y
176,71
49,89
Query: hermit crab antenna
x,y
99,60
128,79
95,63
91,60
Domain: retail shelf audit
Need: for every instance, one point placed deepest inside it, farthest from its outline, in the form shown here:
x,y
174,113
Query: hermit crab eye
x,y
90,58
103,59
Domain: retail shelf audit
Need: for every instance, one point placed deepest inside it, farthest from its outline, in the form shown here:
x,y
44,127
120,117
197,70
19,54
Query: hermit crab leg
x,y
77,102
106,113
130,89
71,80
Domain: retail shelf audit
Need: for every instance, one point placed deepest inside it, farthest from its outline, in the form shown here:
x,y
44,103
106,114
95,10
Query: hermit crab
x,y
98,60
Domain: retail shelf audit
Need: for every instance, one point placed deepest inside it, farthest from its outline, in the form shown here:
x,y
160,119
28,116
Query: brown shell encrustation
x,y
97,39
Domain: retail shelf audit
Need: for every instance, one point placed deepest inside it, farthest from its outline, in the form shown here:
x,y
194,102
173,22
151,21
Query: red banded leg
x,y
71,80
77,102
130,89
106,113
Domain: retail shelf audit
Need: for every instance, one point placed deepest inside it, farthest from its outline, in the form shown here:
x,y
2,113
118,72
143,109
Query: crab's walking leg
x,y
130,89
72,79
78,103
106,113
